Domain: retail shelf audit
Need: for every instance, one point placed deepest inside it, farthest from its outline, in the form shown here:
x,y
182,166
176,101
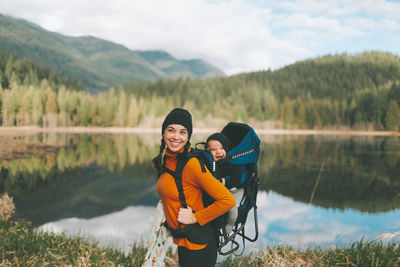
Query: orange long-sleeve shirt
x,y
194,181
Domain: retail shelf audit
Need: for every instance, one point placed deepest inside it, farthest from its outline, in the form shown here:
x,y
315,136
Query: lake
x,y
315,191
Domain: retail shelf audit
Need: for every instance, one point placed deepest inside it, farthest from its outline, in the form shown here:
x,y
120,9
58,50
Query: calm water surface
x,y
315,190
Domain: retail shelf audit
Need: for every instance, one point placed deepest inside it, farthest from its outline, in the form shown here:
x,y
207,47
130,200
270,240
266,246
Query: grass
x,y
359,254
7,207
22,245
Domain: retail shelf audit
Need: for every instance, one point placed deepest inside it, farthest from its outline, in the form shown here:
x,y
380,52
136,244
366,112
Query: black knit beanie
x,y
226,144
178,116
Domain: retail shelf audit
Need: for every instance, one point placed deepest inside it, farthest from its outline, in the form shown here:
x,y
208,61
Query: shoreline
x,y
33,130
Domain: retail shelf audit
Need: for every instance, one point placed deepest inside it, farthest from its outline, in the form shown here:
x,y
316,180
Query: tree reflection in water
x,y
91,175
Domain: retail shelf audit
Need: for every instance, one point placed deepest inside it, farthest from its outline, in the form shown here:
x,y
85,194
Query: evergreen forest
x,y
360,92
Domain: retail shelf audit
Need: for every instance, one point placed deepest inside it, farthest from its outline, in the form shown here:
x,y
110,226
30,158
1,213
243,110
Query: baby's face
x,y
216,150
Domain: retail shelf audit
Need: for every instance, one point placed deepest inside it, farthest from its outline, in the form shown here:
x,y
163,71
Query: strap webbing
x,y
177,174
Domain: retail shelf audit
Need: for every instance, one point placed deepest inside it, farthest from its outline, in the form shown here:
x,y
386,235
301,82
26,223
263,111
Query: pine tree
x,y
287,113
1,103
84,111
71,106
392,118
301,114
122,108
51,103
133,112
50,109
37,107
27,106
62,96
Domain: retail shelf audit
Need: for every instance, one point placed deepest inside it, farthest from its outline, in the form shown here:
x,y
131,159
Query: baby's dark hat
x,y
226,144
178,116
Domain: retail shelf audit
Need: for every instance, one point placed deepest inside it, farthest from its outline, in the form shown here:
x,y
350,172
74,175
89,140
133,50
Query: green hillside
x,y
173,68
360,92
99,64
15,71
333,76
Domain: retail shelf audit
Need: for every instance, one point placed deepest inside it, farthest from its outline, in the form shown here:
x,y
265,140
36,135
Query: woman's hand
x,y
186,216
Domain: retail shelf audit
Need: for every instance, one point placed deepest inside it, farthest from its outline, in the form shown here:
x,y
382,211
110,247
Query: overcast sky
x,y
235,35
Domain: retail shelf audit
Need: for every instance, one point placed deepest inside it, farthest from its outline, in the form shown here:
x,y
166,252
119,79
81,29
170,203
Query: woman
x,y
176,132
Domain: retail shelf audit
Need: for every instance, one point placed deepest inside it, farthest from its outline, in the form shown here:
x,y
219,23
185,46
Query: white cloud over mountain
x,y
235,35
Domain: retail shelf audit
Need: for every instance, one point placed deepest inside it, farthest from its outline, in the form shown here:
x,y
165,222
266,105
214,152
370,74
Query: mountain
x,y
98,63
174,68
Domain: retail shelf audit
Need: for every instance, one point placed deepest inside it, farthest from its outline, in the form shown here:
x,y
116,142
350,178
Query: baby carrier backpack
x,y
244,153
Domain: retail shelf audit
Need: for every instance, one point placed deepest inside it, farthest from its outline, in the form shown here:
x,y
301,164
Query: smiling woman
x,y
181,195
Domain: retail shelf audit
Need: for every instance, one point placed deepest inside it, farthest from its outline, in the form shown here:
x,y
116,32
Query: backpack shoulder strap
x,y
177,174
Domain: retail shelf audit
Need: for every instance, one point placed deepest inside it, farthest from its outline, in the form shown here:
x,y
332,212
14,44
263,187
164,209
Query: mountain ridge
x,y
98,63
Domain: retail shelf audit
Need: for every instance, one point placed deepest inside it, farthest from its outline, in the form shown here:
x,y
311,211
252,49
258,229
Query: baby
x,y
229,174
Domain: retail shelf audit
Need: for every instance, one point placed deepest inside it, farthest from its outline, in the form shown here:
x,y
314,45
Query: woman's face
x,y
175,137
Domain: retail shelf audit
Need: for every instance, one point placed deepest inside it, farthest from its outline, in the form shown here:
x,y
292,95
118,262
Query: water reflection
x,y
120,229
359,173
105,179
285,221
281,221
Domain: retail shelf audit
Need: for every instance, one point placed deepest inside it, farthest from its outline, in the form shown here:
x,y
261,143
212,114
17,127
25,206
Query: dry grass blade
x,y
316,182
275,257
7,207
171,261
387,236
5,263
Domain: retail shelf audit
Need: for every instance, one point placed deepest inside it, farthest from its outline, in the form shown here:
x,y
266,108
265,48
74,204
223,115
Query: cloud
x,y
319,26
121,228
281,220
235,35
